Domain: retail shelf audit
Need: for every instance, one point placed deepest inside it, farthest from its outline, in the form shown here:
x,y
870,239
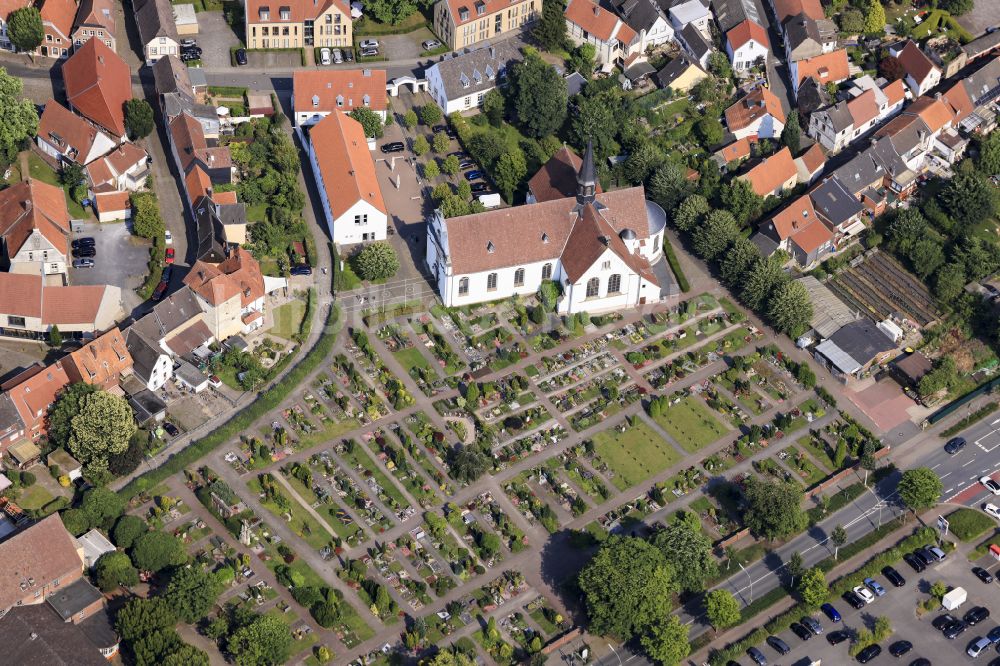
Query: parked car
x,y
83,263
480,188
171,429
369,44
393,147
196,50
338,56
936,553
86,251
168,237
830,612
812,624
899,648
87,241
976,615
368,53
853,600
780,646
430,44
160,291
955,629
990,485
241,57
875,587
187,56
992,509
349,55
994,635
800,631
301,270
757,656
915,562
893,577
977,646
942,621
188,41
214,381
869,653
954,445
475,174
466,164
168,256
837,637
324,57
925,556
982,574
920,661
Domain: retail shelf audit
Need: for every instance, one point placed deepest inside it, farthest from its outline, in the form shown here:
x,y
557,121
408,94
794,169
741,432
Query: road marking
x,y
969,463
945,476
950,489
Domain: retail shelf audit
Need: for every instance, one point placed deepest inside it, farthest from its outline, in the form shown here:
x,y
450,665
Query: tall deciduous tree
x,y
539,96
773,508
812,587
919,488
550,31
791,135
191,592
762,278
666,640
264,641
142,616
493,107
509,171
377,261
668,185
740,199
102,427
138,119
115,569
722,609
737,261
949,282
691,212
789,308
970,198
18,117
156,550
838,537
715,234
689,551
24,29
875,19
370,121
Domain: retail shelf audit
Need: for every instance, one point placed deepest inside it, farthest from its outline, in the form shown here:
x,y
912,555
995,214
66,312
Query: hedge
x,y
975,416
968,524
675,266
266,401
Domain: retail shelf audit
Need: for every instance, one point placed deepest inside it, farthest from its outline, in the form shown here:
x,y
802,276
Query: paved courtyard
x,y
121,260
985,14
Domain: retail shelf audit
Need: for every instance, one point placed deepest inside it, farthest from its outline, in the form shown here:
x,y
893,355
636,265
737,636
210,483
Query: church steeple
x,y
586,179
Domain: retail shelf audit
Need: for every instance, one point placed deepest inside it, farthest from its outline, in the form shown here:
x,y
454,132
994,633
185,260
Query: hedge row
x,y
266,401
975,416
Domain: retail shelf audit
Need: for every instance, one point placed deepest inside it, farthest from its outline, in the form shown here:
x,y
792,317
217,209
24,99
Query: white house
x,y
589,23
125,168
693,12
835,127
759,115
599,247
67,137
747,45
318,93
157,30
345,178
648,20
460,82
921,73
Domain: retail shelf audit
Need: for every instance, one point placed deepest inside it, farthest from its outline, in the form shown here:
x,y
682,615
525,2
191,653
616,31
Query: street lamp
x,y
749,578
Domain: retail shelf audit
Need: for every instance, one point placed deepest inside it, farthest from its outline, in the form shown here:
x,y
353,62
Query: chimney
x,y
597,10
366,73
100,59
493,52
32,636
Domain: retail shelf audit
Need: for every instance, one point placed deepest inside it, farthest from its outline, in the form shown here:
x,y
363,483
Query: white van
x,y
490,200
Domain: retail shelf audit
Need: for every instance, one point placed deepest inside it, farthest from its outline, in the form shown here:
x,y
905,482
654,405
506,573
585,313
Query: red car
x,y
169,258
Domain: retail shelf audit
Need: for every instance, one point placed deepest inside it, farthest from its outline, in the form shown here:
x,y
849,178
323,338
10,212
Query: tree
x,y
102,505
156,550
919,488
949,282
264,641
794,566
550,31
791,135
957,7
840,454
71,174
773,508
690,212
666,640
18,117
689,551
925,256
493,107
138,119
710,131
450,165
737,261
184,655
539,96
102,427
838,537
430,113
581,59
789,308
115,569
127,530
468,464
464,190
718,64
431,170
450,657
191,592
143,616
722,609
758,283
627,587
24,29
740,199
61,414
420,145
715,234
392,12
812,587
969,197
377,261
370,121
75,521
146,219
875,19
891,68
508,173
669,185
642,162
440,143
410,119
597,119
851,21
55,337
988,160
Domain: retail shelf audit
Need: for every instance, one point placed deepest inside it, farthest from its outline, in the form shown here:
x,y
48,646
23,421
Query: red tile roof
x,y
59,14
958,99
863,108
744,32
217,283
813,158
101,361
299,10
21,295
935,112
345,164
556,179
827,68
768,174
32,399
189,137
601,22
737,150
753,107
73,305
31,205
225,197
798,215
812,237
98,83
97,13
65,130
915,62
785,8
112,202
352,85
895,92
198,183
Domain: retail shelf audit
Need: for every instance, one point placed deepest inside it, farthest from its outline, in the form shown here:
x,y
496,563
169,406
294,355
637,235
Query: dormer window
x,y
490,74
545,237
264,13
340,100
464,80
463,13
477,77
490,247
480,8
285,13
315,101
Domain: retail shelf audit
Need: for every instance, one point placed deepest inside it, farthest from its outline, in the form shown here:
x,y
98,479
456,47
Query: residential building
x,y
810,164
57,25
691,12
854,349
680,74
230,293
66,137
318,93
588,22
832,67
294,24
460,82
735,153
557,178
31,394
947,54
601,248
98,83
731,13
94,543
102,362
772,175
798,229
29,308
176,326
806,37
171,76
112,205
838,208
345,178
982,46
6,7
747,46
39,560
785,9
34,634
758,114
157,31
837,126
695,44
125,168
95,19
971,97
150,363
648,19
921,73
464,23
34,229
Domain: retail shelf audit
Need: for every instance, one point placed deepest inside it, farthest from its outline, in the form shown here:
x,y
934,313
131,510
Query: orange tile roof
x,y
812,237
737,150
785,8
33,396
556,179
109,202
915,62
299,10
585,246
126,156
59,14
100,361
345,164
223,198
352,85
198,183
21,295
73,132
239,275
895,92
827,68
768,174
92,13
7,6
935,112
31,205
98,83
795,217
753,107
599,21
189,137
745,31
863,108
490,6
813,158
958,99
76,305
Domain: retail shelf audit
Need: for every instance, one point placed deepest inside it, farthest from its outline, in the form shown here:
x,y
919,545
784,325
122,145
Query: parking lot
x,y
900,605
400,47
215,38
121,260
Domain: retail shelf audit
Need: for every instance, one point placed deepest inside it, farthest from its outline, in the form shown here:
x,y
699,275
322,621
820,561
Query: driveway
x,y
272,60
215,38
400,47
121,260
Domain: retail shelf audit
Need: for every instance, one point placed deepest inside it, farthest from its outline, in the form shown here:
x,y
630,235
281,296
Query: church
x,y
605,249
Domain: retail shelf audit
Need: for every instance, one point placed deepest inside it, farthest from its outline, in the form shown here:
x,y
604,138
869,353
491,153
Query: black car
x,y
393,147
942,621
301,270
466,164
915,562
757,656
241,57
780,646
479,188
837,637
982,574
899,648
86,251
920,661
854,600
893,577
801,631
188,57
925,556
812,624
954,445
84,242
869,653
171,429
167,273
976,615
955,629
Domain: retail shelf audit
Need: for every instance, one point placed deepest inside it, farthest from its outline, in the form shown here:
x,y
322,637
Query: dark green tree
x,y
138,119
141,616
791,135
691,212
740,199
550,31
115,569
430,113
156,550
736,262
773,508
376,261
127,530
55,337
970,198
25,30
539,96
920,488
493,107
264,641
689,551
761,279
949,282
713,236
370,121
102,506
668,185
191,592
789,308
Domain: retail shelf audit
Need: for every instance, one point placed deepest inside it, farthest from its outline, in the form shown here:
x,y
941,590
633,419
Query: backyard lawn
x,y
691,424
634,455
43,172
33,497
288,319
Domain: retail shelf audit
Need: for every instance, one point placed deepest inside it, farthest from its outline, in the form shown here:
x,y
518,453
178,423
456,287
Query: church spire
x,y
586,179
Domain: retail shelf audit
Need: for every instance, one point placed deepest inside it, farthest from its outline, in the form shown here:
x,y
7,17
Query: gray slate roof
x,y
168,315
155,18
639,14
475,71
862,340
730,13
211,238
695,41
984,84
36,635
170,75
834,201
144,353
